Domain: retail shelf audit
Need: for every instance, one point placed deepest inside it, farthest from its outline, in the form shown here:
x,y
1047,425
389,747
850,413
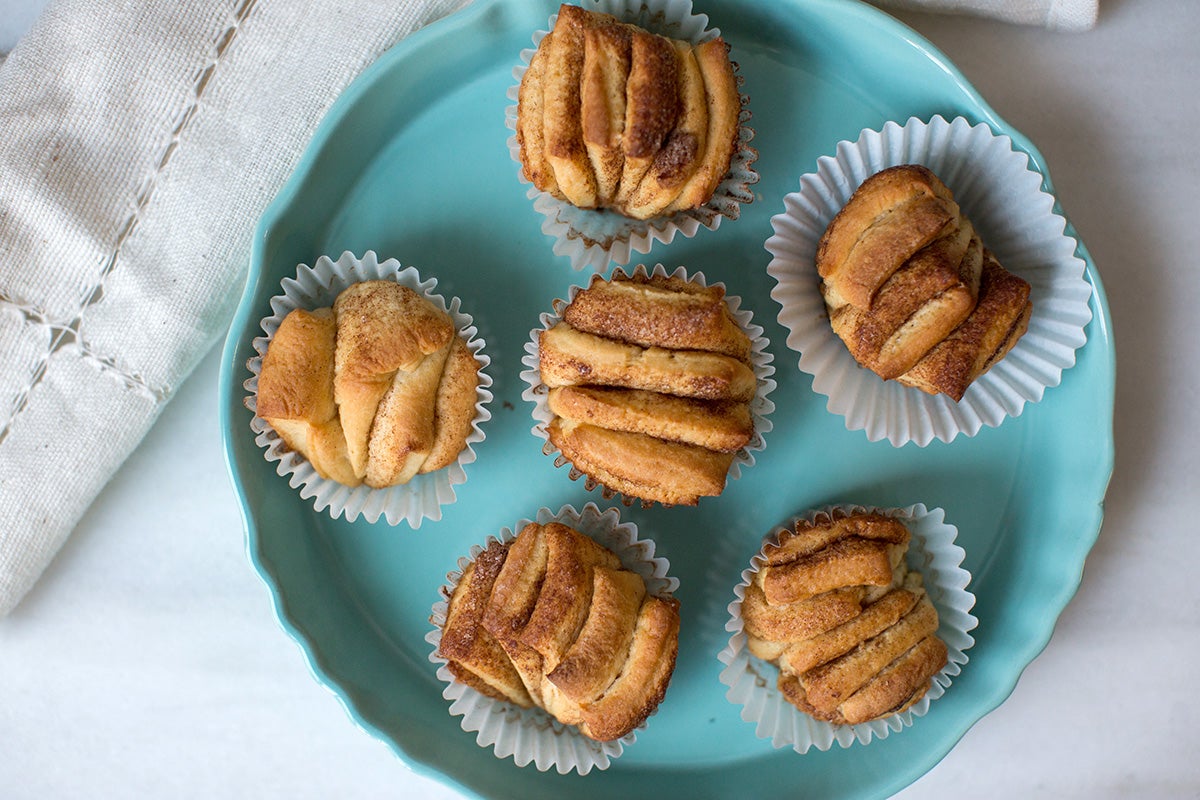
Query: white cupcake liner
x,y
752,682
760,361
531,735
594,238
422,497
1002,195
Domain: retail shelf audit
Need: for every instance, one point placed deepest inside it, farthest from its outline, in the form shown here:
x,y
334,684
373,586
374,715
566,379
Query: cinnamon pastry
x,y
650,386
660,312
473,655
570,357
902,273
849,626
638,465
993,327
723,426
375,390
551,619
612,116
295,392
892,215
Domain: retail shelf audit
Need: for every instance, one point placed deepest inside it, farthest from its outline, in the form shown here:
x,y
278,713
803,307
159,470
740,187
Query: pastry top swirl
x,y
552,619
850,627
612,116
374,390
649,381
910,287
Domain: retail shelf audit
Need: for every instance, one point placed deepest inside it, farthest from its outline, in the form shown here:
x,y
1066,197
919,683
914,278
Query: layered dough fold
x,y
374,390
649,382
612,116
551,619
911,289
849,626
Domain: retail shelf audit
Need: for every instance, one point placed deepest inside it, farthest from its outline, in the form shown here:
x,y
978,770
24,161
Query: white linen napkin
x,y
1063,15
139,144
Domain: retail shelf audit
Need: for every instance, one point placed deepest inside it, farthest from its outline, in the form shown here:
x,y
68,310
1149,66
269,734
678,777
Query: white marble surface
x,y
147,663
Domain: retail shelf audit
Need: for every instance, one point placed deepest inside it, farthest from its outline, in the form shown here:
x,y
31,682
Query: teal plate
x,y
412,162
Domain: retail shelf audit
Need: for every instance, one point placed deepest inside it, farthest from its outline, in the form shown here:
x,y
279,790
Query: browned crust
x,y
296,379
788,623
382,328
899,685
848,562
887,245
570,357
642,684
552,619
715,425
474,657
454,407
892,215
917,307
606,65
561,127
295,392
724,108
682,149
651,103
999,319
647,368
513,598
565,594
361,389
593,661
875,659
402,427
829,685
793,691
834,642
901,297
531,113
806,538
660,311
612,116
642,466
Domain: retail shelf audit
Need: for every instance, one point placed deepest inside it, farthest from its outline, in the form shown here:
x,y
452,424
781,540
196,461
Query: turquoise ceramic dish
x,y
412,163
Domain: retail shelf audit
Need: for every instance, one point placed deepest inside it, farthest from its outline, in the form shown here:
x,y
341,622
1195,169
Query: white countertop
x,y
147,662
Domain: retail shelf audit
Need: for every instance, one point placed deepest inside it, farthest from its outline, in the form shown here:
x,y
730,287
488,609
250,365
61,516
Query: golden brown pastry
x,y
915,308
375,390
639,465
849,626
295,392
999,319
612,116
551,619
720,139
892,215
570,357
665,311
473,655
724,426
902,273
607,57
650,386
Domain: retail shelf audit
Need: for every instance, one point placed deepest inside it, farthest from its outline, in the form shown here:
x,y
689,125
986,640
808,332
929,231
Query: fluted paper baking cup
x,y
422,497
1002,195
595,238
752,682
530,735
760,361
